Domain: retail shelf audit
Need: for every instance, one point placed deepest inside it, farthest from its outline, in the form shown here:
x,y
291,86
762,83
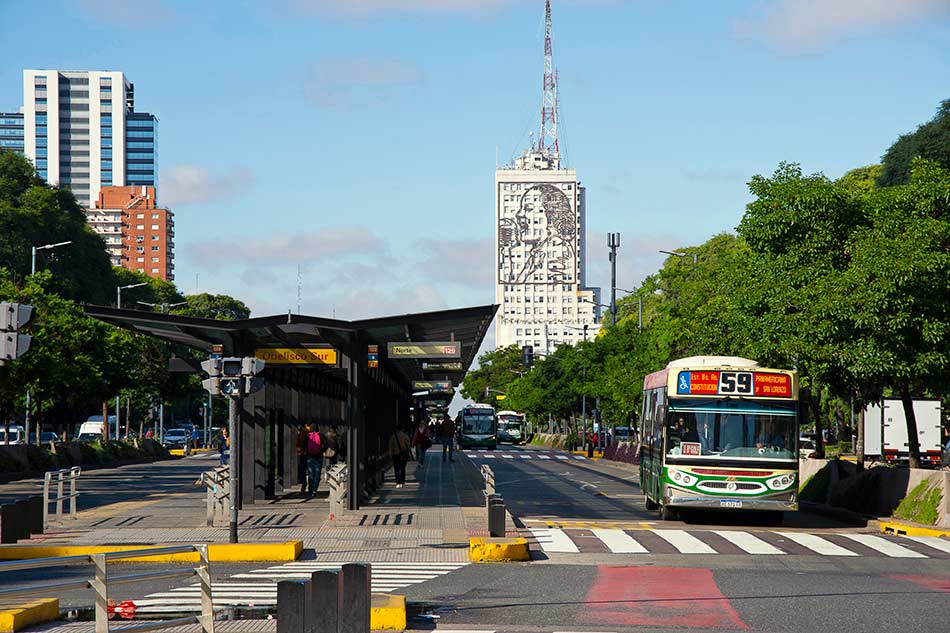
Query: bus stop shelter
x,y
336,384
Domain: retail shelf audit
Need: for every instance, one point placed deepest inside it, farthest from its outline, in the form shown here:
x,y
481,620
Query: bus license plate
x,y
730,503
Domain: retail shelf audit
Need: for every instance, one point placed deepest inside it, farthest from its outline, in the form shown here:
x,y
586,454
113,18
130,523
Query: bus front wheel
x,y
667,513
651,504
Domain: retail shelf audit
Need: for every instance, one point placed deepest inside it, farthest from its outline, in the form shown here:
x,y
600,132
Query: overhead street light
x,y
45,247
118,292
679,254
639,307
163,306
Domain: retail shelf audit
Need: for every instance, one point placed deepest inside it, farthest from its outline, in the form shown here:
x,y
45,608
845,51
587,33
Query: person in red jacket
x,y
421,440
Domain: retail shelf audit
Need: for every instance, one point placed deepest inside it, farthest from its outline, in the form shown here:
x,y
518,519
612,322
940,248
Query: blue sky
x,y
358,138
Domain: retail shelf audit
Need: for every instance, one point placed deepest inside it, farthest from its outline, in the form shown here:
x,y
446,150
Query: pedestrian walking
x,y
302,434
399,449
314,459
447,437
224,444
422,440
149,434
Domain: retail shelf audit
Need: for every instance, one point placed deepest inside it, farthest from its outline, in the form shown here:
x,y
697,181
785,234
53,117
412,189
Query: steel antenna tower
x,y
547,139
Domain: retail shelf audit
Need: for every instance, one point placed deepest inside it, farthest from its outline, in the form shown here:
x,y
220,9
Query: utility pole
x,y
613,243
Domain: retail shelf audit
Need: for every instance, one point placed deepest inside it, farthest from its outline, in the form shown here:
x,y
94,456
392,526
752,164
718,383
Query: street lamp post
x,y
695,256
119,289
163,306
29,394
613,243
639,308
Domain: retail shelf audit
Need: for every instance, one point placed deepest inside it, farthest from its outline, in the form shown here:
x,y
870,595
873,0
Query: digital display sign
x,y
734,383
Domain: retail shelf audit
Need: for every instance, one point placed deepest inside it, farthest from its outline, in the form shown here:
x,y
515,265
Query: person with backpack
x,y
422,440
399,450
314,459
302,433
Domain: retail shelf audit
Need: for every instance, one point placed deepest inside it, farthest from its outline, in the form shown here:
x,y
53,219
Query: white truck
x,y
885,431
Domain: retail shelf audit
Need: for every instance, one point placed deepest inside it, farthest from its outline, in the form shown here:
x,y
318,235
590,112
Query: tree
x,y
862,178
930,141
209,306
497,369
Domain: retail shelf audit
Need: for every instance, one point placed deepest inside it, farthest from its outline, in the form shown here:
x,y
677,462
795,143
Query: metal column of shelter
x,y
364,404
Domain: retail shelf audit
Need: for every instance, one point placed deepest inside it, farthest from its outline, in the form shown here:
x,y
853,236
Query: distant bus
x,y
512,427
477,427
719,432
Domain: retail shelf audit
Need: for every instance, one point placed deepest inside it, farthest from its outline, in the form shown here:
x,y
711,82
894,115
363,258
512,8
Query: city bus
x,y
477,427
719,432
512,427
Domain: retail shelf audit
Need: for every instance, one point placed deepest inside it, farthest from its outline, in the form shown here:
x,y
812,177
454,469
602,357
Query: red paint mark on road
x,y
934,583
658,596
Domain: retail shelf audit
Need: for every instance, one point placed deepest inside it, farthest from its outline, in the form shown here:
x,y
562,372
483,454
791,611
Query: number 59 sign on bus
x,y
734,383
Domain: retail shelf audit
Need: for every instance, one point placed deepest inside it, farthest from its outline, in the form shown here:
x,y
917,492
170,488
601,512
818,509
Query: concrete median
x,y
498,550
217,552
17,617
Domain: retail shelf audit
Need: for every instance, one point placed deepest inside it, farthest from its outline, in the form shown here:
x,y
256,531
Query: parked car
x,y
806,448
175,438
89,437
622,433
945,459
16,435
48,436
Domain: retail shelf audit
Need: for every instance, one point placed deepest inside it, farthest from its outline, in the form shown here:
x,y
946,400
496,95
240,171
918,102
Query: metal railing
x,y
217,491
489,476
66,475
336,483
101,582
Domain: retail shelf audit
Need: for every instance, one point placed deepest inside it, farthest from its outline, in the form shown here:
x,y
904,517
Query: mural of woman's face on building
x,y
558,232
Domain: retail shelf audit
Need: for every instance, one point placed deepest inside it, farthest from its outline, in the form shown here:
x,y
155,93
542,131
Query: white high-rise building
x,y
81,131
540,256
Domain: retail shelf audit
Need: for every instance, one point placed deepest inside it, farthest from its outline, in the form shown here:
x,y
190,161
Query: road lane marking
x,y
932,541
685,542
888,548
562,456
554,540
817,544
544,457
748,542
618,541
525,456
508,456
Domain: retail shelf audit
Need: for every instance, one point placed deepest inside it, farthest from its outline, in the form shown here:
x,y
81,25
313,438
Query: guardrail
x,y
489,476
218,489
101,581
66,475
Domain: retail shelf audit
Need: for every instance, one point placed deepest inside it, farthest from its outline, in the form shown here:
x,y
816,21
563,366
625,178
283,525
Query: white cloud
x,y
347,84
808,24
282,249
189,184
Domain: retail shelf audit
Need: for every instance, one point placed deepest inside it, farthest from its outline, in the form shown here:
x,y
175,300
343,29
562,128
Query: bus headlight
x,y
682,478
781,482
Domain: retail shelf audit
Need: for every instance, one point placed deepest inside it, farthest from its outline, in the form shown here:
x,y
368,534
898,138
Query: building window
x,y
154,270
139,216
139,239
140,249
106,153
154,227
106,142
140,259
140,227
154,238
154,248
106,164
140,133
155,260
154,216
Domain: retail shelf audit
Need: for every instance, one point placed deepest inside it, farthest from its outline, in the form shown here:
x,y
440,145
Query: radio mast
x,y
547,139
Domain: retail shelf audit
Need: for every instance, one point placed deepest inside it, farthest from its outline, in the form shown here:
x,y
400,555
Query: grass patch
x,y
920,504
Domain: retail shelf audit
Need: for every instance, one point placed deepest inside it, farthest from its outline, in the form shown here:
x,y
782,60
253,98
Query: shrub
x,y
920,504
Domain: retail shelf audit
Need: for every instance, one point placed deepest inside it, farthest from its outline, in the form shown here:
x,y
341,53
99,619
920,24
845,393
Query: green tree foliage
x,y
497,369
862,178
930,141
209,306
34,214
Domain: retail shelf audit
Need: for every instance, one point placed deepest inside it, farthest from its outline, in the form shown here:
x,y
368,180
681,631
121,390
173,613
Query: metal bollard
x,y
325,594
294,606
496,516
356,599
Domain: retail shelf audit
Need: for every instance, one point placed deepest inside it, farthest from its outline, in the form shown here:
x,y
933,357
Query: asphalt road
x,y
99,487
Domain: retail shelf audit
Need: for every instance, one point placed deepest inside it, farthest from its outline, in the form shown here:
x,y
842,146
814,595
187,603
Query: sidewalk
x,y
428,520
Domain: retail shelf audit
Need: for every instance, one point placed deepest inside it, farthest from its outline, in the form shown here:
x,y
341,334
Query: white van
x,y
93,426
17,435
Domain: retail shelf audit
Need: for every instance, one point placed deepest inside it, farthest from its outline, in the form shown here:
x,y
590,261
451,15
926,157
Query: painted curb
x,y
498,550
217,552
909,529
21,616
180,452
388,612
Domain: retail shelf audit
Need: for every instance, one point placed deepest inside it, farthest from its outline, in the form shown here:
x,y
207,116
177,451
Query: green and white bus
x,y
512,427
477,427
719,432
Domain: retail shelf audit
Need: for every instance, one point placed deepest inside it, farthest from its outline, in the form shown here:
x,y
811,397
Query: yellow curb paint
x,y
180,452
498,550
217,552
388,612
21,616
907,529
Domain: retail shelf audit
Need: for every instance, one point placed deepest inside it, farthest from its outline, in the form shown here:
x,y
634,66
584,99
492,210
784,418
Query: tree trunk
x,y
128,417
913,440
813,409
105,420
859,440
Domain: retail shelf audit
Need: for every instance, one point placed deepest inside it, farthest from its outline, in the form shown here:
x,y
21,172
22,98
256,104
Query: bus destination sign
x,y
734,383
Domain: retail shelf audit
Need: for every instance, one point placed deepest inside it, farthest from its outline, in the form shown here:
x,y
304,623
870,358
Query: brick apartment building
x,y
139,234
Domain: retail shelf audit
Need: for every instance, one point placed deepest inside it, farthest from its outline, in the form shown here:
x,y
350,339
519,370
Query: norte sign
x,y
450,366
450,349
297,355
434,386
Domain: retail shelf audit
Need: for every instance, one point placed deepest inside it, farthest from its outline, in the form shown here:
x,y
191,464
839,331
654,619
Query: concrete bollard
x,y
356,599
34,508
496,517
325,594
294,607
22,521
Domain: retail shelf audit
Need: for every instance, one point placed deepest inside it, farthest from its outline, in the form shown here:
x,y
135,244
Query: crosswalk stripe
x,y
508,456
685,542
554,540
888,548
618,541
932,541
544,457
817,544
579,457
748,542
525,456
488,456
561,456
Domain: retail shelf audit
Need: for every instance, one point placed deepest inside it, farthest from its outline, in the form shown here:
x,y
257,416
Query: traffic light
x,y
14,316
233,376
250,368
527,356
212,367
231,379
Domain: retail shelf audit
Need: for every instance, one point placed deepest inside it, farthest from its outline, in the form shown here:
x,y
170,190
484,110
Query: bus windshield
x,y
478,422
725,428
